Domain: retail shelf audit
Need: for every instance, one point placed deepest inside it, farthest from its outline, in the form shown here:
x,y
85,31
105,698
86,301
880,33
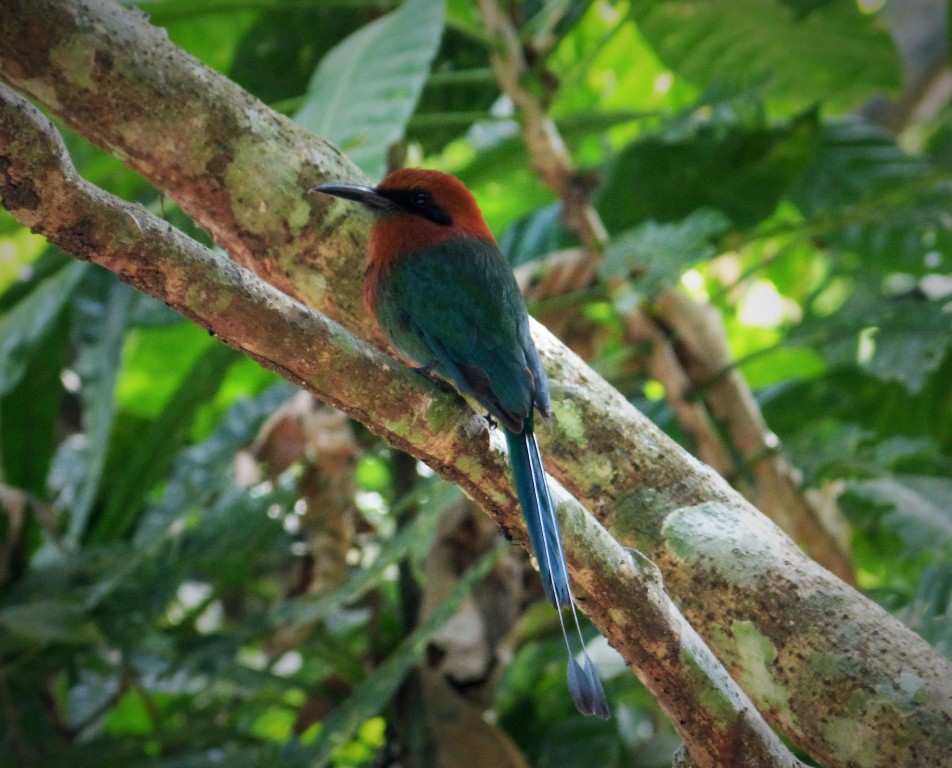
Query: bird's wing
x,y
461,302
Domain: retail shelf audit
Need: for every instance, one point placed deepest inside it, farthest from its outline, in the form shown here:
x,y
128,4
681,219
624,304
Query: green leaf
x,y
930,612
25,326
206,470
364,91
99,323
498,170
799,53
29,416
740,169
921,508
459,93
911,340
854,160
534,236
437,497
663,251
210,31
277,55
156,361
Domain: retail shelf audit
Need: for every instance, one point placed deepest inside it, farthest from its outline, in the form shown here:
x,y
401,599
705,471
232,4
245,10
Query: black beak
x,y
365,195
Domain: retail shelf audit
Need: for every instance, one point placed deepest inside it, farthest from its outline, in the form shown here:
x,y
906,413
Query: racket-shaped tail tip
x,y
586,689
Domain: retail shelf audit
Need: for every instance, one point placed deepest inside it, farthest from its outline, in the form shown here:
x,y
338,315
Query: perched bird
x,y
446,297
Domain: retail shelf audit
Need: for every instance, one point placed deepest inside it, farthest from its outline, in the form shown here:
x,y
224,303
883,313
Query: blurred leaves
x,y
920,508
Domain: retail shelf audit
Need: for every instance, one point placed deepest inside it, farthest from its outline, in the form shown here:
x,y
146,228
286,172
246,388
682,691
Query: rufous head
x,y
415,208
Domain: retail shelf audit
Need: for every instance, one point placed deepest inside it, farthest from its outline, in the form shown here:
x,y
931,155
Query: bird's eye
x,y
421,198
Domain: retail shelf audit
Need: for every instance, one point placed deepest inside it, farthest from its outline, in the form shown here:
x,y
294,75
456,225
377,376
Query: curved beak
x,y
367,196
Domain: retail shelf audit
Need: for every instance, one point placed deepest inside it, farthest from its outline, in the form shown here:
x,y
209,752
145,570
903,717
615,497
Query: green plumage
x,y
456,308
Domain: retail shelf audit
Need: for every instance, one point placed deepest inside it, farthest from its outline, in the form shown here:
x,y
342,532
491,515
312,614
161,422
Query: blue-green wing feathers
x,y
456,307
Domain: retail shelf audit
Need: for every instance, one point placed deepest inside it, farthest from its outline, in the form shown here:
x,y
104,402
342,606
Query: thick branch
x,y
819,659
699,334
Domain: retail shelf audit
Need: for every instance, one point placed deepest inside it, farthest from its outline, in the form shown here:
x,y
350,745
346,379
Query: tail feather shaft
x,y
543,527
539,516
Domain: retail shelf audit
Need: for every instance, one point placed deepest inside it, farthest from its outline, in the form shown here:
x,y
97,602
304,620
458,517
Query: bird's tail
x,y
543,526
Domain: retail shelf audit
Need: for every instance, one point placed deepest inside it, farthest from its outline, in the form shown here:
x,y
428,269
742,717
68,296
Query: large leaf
x,y
798,53
205,471
364,91
911,340
277,55
29,416
740,169
854,161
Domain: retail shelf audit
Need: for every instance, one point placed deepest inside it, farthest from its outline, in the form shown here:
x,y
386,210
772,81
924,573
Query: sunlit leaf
x,y
366,88
661,252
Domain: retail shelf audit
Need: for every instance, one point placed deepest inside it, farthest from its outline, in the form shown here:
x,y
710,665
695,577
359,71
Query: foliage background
x,y
150,576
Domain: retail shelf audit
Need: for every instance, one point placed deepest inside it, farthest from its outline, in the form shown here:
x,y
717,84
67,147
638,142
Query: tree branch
x,y
815,656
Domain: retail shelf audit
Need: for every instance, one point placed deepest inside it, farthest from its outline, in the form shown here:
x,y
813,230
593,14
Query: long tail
x,y
539,513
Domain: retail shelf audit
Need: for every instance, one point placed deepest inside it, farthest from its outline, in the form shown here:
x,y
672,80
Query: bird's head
x,y
416,208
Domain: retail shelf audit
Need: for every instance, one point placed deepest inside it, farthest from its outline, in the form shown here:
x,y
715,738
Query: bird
x,y
444,294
